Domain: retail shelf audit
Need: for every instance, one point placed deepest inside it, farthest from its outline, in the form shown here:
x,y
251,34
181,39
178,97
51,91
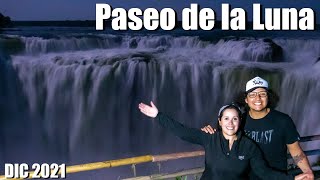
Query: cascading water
x,y
74,99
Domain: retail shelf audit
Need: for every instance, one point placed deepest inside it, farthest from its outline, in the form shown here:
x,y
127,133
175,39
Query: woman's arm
x,y
188,134
191,135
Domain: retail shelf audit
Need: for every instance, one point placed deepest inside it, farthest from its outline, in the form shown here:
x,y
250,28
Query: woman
x,y
228,154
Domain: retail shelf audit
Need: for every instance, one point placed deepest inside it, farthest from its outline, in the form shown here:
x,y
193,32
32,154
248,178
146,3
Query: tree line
x,y
5,21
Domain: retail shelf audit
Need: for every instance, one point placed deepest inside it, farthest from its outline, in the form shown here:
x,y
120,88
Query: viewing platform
x,y
193,173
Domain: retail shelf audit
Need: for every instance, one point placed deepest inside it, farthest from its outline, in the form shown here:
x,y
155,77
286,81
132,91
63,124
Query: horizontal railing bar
x,y
169,175
100,165
166,157
108,164
298,171
312,152
310,138
308,153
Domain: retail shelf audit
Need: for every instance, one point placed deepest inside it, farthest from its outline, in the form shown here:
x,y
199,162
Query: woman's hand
x,y
208,129
151,111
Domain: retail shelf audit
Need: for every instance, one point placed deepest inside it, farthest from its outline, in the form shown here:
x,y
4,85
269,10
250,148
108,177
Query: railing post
x,y
159,167
133,166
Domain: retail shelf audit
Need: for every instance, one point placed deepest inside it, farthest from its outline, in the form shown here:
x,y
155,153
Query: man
x,y
274,131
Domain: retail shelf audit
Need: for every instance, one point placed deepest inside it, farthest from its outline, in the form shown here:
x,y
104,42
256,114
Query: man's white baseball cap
x,y
256,83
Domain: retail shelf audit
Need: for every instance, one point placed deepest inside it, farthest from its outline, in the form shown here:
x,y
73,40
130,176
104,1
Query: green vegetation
x,y
5,21
181,178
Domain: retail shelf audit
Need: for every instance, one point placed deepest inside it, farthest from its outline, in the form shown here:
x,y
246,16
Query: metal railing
x,y
311,138
133,161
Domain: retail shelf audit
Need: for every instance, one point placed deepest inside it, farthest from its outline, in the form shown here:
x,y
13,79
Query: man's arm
x,y
208,129
299,157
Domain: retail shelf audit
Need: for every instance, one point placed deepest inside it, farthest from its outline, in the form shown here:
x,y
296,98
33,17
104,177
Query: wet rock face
x,y
133,43
11,45
317,61
316,64
251,50
262,50
275,51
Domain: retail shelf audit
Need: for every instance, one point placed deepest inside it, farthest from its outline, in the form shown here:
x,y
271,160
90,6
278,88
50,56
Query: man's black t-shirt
x,y
272,133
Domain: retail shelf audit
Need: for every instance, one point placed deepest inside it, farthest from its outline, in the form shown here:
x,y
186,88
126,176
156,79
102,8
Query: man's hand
x,y
305,176
208,129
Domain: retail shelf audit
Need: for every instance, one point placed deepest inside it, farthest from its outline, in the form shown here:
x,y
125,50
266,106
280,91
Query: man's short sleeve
x,y
291,133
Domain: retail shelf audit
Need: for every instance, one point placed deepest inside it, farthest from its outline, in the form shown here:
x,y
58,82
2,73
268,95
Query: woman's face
x,y
229,122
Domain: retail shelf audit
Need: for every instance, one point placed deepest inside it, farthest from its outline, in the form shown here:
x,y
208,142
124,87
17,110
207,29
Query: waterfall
x,y
68,101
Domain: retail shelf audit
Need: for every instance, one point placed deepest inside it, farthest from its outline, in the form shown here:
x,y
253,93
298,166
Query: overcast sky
x,y
85,9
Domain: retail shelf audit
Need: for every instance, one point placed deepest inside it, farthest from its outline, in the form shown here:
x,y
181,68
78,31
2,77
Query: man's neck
x,y
259,114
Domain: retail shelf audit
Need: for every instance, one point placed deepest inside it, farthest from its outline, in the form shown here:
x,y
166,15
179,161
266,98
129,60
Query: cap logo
x,y
257,82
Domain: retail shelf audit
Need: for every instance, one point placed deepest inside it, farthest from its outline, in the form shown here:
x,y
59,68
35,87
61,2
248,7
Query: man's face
x,y
257,100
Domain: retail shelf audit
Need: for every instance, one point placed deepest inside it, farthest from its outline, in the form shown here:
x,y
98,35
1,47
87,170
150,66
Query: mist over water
x,y
74,97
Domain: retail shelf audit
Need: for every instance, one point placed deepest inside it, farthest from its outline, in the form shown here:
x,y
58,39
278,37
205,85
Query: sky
x,y
42,10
